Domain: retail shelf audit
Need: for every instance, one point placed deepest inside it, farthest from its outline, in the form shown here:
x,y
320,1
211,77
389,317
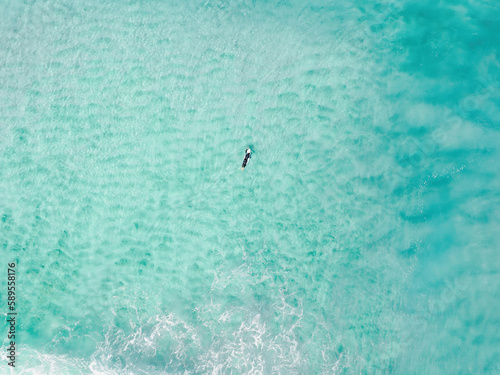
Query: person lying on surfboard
x,y
248,155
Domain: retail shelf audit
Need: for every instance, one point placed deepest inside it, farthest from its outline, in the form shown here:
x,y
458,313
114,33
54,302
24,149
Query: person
x,y
248,155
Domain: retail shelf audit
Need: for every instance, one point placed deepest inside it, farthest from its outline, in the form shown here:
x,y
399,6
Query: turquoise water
x,y
361,238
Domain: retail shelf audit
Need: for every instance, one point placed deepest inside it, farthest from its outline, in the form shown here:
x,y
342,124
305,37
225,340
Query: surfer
x,y
248,155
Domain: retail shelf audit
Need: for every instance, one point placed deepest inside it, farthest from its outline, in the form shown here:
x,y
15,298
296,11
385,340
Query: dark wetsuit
x,y
245,160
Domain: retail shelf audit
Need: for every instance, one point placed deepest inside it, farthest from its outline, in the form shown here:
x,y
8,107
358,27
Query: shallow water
x,y
361,238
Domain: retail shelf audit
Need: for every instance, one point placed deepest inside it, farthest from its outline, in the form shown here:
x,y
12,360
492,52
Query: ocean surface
x,y
362,238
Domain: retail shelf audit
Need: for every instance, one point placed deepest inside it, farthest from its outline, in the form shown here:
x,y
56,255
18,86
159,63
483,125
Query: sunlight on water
x,y
360,238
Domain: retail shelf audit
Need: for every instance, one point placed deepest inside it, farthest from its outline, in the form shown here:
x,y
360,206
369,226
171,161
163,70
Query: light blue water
x,y
361,238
